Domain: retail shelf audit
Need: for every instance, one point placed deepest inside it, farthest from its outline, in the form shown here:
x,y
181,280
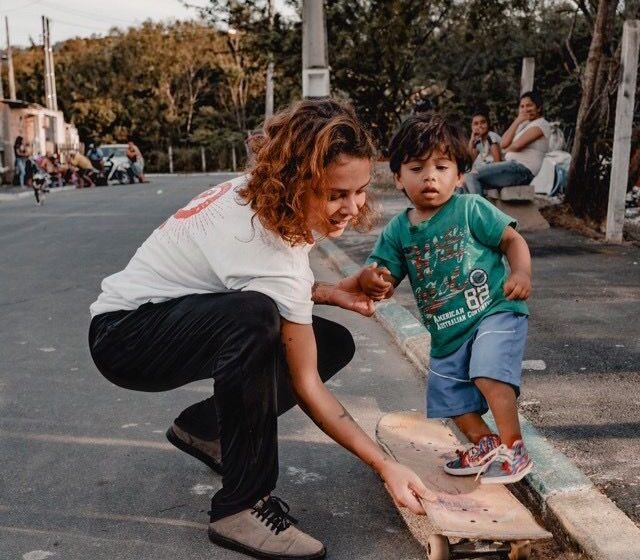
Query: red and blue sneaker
x,y
505,465
471,461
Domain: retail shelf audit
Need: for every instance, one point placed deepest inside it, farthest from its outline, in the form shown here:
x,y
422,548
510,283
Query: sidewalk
x,y
580,400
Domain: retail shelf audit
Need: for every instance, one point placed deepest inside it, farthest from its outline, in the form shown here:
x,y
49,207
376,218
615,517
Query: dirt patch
x,y
562,216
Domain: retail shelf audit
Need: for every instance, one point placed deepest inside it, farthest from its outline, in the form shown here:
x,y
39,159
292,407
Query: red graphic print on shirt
x,y
202,201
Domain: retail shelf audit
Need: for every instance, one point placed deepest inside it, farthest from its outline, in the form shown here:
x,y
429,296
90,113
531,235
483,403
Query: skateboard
x,y
465,519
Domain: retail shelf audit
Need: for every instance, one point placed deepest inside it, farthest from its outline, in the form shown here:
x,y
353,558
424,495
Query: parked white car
x,y
119,152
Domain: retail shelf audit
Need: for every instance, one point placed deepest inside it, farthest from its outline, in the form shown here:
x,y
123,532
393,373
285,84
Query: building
x,y
43,130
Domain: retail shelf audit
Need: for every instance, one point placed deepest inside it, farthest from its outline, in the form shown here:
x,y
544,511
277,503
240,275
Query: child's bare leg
x,y
502,401
472,425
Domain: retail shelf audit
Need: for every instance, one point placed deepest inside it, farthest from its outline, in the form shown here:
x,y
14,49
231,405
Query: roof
x,y
19,104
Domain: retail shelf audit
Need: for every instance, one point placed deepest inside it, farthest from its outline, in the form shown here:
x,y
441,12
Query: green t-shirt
x,y
456,269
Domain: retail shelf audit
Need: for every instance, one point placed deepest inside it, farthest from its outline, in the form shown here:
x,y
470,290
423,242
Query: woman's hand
x,y
353,299
405,486
523,115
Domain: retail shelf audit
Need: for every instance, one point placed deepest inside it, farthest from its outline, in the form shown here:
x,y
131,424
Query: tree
x,y
589,172
374,47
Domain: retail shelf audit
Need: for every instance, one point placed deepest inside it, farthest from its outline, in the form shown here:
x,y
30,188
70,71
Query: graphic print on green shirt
x,y
455,267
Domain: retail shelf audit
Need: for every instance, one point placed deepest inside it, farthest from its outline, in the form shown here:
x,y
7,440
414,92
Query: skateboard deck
x,y
462,508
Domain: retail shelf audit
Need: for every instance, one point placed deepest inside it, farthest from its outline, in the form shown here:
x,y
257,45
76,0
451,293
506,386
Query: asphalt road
x,y
581,384
85,469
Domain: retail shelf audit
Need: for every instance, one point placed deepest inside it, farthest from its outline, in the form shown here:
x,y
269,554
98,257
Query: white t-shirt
x,y
484,150
532,155
212,245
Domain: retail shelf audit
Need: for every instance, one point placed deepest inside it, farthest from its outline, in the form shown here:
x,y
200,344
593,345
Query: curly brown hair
x,y
290,161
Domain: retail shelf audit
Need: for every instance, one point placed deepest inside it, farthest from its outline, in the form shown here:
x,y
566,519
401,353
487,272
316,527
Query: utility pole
x,y
622,130
527,74
47,70
52,69
315,68
268,101
1,88
11,75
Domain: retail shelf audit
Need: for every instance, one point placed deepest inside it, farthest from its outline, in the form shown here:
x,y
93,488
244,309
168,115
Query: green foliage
x,y
202,83
158,84
386,55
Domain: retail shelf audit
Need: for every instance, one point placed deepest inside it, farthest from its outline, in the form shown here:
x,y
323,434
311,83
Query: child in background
x,y
484,144
453,249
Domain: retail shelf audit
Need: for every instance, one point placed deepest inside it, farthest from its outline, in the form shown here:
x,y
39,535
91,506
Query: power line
x,y
82,13
20,7
102,30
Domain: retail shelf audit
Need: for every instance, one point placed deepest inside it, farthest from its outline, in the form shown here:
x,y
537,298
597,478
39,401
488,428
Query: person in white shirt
x,y
524,143
223,290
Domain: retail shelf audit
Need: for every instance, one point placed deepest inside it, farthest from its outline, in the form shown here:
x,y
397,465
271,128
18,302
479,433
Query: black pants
x,y
234,339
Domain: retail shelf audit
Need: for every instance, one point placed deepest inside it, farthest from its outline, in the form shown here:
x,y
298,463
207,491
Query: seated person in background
x,y
84,167
136,163
95,156
525,144
49,165
484,144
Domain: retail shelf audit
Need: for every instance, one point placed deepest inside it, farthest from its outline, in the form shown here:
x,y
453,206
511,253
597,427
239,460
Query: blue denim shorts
x,y
495,351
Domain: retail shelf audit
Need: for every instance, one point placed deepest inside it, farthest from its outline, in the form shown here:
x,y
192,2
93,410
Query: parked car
x,y
118,151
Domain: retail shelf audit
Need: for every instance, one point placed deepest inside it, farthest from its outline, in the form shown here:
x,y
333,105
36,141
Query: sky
x,y
83,18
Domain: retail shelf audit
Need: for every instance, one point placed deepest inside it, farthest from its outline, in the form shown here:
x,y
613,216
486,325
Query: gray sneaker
x,y
266,531
209,452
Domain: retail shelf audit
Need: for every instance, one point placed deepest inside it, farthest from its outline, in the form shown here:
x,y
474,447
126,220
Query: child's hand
x,y
376,282
517,286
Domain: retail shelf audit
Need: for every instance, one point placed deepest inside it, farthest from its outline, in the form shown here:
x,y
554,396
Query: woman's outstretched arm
x,y
334,420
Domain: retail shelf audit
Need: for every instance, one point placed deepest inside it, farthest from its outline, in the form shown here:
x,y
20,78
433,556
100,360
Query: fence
x,y
194,159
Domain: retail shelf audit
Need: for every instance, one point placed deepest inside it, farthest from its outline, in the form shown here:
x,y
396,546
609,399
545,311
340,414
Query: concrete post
x,y
315,68
268,102
170,159
45,51
234,163
622,130
52,69
268,94
527,74
203,157
11,76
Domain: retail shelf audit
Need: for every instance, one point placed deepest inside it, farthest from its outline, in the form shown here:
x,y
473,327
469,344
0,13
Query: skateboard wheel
x,y
438,547
520,550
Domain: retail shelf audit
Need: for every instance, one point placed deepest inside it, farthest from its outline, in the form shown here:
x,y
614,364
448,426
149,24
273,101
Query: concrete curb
x,y
4,197
577,513
193,174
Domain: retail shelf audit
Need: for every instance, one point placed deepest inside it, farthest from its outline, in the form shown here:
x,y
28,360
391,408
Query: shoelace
x,y
274,512
473,452
500,453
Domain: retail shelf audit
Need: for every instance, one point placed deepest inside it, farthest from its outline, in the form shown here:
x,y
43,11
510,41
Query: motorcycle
x,y
112,172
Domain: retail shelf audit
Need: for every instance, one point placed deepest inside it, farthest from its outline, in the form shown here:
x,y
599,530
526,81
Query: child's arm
x,y
472,146
495,152
513,245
